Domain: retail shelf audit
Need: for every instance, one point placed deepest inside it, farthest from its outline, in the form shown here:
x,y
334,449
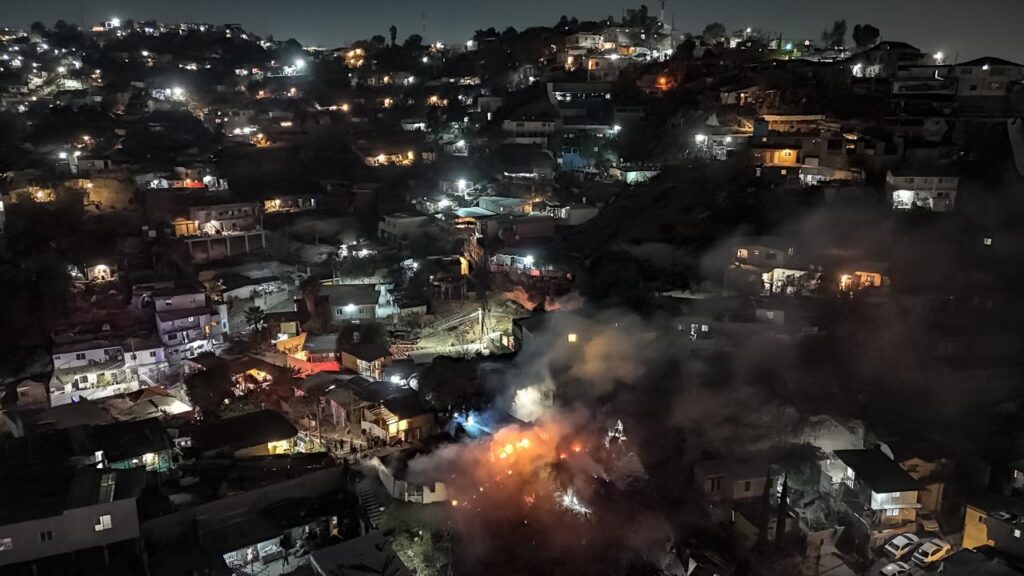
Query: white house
x,y
186,323
359,302
100,368
584,40
401,227
933,189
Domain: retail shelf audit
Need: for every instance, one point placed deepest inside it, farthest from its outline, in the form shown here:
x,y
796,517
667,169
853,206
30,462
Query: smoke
x,y
565,482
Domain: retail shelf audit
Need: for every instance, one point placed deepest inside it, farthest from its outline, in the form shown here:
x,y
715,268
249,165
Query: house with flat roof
x,y
66,510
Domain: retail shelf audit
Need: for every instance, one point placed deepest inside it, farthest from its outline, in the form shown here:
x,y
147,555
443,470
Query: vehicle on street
x,y
932,551
895,569
928,522
900,546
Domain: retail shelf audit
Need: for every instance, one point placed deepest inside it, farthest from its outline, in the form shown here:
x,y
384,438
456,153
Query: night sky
x,y
974,28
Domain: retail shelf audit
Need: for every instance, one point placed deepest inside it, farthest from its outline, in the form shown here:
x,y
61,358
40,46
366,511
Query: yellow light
x,y
571,337
455,502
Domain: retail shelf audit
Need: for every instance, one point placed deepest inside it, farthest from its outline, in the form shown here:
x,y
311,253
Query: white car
x,y
900,546
928,522
896,569
932,551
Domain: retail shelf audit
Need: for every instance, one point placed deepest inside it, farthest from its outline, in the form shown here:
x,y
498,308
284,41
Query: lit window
x,y
103,523
572,337
988,242
6,544
892,512
741,253
1016,532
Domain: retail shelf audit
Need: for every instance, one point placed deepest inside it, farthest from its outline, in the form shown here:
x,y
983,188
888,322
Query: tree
x,y
255,318
714,32
209,388
866,35
394,34
509,33
563,22
413,41
38,28
378,41
836,37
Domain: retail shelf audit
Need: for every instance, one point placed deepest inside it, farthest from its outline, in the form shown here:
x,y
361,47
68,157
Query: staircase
x,y
368,499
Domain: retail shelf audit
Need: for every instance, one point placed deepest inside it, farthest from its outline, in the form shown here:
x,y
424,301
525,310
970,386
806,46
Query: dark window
x,y
716,483
46,536
746,486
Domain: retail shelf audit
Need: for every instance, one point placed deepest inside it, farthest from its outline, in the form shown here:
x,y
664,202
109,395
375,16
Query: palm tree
x,y
394,34
255,318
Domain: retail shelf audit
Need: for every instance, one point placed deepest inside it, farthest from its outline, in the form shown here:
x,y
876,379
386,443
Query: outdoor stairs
x,y
368,498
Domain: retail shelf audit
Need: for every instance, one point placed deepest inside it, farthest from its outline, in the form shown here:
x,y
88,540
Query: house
x,y
502,205
290,203
218,219
385,412
995,522
369,555
584,40
66,510
929,463
365,358
358,302
96,369
322,348
280,536
186,323
633,174
259,433
931,188
241,287
878,484
131,444
883,59
531,126
401,228
392,470
215,231
986,77
725,481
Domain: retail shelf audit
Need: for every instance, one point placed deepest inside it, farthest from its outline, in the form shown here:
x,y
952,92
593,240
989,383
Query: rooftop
x,y
875,469
244,431
370,555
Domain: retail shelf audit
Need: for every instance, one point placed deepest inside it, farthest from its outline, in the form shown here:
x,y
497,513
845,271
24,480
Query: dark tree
x,y
394,34
378,41
509,33
413,41
866,35
714,32
38,28
563,22
210,388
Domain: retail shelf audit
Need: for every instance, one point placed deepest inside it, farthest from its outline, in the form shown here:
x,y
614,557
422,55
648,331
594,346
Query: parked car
x,y
932,551
896,569
900,546
928,522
